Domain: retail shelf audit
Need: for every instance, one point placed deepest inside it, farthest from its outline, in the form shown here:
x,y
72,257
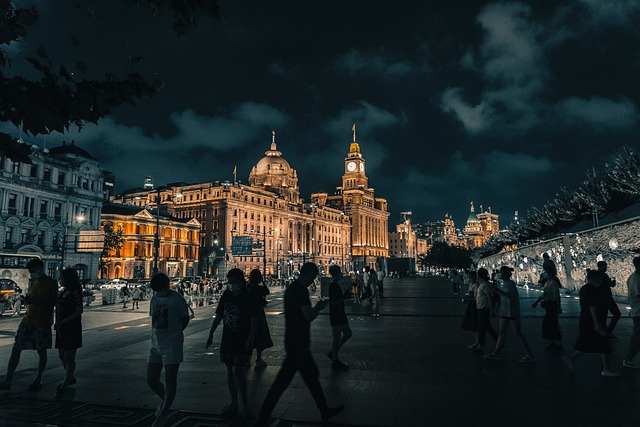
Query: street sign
x,y
241,245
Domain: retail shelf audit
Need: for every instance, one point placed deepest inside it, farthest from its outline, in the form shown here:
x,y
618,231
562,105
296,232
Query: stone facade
x,y
179,241
52,208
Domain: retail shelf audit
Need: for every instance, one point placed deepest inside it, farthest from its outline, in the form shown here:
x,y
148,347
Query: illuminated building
x,y
368,214
51,207
480,227
285,231
179,243
404,243
438,231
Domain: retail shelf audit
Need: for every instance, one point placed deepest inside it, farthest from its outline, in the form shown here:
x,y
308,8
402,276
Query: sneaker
x,y
337,364
331,412
492,356
568,363
472,346
610,373
261,363
630,365
526,359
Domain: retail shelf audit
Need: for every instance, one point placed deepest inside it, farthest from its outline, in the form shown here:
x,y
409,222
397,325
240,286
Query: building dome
x,y
274,173
272,161
70,149
472,216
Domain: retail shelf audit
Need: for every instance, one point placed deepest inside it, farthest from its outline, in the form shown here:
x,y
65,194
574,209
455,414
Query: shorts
x,y
166,356
235,359
33,338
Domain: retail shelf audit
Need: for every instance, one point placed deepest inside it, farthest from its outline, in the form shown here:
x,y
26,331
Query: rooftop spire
x,y
273,140
354,149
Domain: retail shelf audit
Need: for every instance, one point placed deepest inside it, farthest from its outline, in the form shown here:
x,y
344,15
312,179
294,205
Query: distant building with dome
x,y
267,211
50,207
480,227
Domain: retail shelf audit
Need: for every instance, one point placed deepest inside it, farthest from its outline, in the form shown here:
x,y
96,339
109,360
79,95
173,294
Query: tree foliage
x,y
600,194
57,99
443,255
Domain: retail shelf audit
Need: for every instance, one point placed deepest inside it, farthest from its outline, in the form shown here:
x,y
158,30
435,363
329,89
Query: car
x,y
114,284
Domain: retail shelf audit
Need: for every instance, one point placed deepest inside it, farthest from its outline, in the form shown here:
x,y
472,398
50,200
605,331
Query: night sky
x,y
500,103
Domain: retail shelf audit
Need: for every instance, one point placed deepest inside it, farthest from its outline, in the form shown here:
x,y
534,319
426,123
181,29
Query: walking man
x,y
340,329
169,318
298,315
34,332
633,286
607,284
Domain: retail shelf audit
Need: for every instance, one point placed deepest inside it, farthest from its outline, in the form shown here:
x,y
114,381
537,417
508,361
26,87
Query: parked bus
x,y
13,272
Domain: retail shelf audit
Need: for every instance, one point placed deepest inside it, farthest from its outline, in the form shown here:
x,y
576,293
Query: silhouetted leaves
x,y
55,101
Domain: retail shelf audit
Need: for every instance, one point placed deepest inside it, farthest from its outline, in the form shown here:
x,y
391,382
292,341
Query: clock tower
x,y
354,167
367,213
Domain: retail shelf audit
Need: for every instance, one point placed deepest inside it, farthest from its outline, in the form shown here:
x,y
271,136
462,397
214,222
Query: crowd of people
x,y
496,295
240,315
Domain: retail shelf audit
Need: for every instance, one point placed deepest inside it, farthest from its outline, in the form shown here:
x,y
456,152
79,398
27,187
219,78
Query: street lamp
x,y
78,219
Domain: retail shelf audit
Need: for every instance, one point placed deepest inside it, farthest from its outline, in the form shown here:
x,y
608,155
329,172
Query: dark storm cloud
x,y
498,102
380,63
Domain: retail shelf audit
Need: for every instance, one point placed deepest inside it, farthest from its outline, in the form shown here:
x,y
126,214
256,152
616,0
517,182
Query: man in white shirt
x,y
633,287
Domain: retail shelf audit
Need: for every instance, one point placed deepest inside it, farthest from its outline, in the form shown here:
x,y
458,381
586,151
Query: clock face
x,y
351,166
361,167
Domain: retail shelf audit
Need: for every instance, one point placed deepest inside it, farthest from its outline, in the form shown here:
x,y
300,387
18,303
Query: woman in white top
x,y
509,311
483,304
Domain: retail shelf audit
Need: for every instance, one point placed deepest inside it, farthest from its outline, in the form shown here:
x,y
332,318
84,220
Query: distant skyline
x,y
499,103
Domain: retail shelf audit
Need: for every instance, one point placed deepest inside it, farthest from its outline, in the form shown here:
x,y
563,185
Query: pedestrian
x,y
593,336
340,330
373,285
509,312
607,285
16,298
485,309
470,318
380,279
136,296
68,326
298,315
238,312
633,289
169,318
126,294
355,288
262,339
34,331
366,284
550,301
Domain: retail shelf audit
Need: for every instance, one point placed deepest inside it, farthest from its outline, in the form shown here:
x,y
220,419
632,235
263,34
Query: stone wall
x,y
573,253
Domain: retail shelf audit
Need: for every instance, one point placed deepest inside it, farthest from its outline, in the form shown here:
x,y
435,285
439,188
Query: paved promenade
x,y
409,367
